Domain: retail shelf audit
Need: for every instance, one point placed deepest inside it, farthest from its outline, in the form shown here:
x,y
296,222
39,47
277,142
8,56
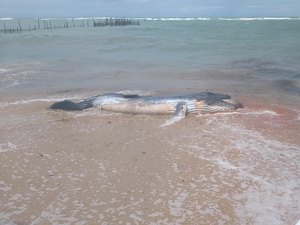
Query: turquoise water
x,y
215,54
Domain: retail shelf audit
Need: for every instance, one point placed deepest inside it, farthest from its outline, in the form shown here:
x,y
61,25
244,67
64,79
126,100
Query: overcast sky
x,y
149,8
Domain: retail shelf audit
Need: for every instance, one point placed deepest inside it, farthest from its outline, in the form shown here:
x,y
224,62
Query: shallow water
x,y
94,167
157,55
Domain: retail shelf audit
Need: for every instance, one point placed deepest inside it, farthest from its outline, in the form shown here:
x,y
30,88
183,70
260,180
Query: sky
x,y
150,8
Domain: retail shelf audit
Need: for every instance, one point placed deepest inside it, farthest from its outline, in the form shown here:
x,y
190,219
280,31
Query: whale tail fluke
x,y
69,105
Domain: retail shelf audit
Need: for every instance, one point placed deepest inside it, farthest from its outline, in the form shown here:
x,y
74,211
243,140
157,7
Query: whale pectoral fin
x,y
180,112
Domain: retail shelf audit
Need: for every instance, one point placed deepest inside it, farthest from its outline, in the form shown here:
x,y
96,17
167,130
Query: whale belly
x,y
140,108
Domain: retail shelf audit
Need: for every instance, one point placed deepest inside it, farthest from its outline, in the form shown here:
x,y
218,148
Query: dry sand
x,y
93,167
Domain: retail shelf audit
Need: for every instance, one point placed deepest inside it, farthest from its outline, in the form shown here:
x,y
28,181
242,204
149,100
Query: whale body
x,y
178,105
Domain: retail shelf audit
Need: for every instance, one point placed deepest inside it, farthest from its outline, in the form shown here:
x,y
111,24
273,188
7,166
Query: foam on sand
x,y
265,168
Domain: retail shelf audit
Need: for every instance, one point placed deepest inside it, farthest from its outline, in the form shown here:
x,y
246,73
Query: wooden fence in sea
x,y
18,26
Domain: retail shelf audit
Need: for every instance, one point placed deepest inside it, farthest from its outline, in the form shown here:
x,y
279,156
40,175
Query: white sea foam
x,y
266,166
34,36
75,18
242,112
261,112
15,74
7,147
137,217
280,182
298,115
4,186
173,18
52,18
216,18
29,101
260,18
12,79
203,18
176,205
3,70
82,18
6,18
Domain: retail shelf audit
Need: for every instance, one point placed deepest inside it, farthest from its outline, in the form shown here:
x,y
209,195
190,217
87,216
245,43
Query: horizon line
x,y
164,18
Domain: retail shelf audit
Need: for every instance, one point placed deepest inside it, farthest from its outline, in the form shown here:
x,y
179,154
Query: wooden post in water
x,y
4,26
19,25
38,23
47,24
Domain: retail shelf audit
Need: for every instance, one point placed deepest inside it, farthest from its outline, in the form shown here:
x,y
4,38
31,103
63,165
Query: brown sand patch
x,y
93,167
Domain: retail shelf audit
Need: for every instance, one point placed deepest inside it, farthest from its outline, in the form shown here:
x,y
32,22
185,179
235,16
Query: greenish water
x,y
157,55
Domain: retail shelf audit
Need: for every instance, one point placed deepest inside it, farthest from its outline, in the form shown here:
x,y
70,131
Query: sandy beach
x,y
94,167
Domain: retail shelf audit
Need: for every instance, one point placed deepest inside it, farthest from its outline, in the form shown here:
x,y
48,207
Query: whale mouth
x,y
223,105
236,104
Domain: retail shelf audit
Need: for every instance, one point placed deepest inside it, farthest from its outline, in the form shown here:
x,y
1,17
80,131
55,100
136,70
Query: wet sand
x,y
94,167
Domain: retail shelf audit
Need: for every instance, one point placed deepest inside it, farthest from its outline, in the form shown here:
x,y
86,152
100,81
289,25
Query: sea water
x,y
175,54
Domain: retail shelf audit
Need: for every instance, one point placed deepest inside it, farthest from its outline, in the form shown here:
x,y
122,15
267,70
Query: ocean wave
x,y
40,36
81,18
8,18
3,70
29,101
216,18
259,18
242,112
9,80
91,18
257,62
14,74
171,18
51,18
289,86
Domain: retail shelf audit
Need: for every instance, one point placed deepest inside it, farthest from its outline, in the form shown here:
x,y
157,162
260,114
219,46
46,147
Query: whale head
x,y
217,105
234,104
